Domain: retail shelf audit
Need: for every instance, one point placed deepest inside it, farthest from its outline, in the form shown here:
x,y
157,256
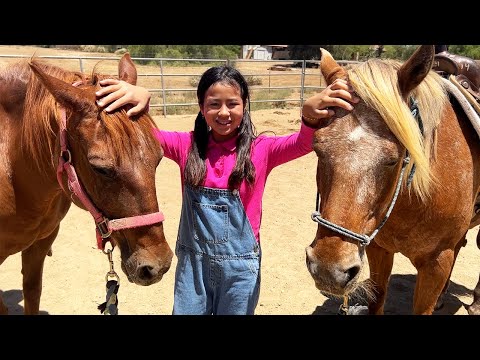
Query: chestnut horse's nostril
x,y
146,272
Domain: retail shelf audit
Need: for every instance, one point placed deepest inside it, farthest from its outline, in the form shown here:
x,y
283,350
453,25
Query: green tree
x,y
304,52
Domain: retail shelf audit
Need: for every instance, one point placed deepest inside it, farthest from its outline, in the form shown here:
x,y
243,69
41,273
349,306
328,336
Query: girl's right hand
x,y
116,93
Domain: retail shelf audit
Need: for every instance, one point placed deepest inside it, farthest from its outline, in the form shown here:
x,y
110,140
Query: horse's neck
x,y
24,187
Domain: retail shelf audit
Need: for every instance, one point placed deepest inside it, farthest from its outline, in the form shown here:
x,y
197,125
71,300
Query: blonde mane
x,y
376,82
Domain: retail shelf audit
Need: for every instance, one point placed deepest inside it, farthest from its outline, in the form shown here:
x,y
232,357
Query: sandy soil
x,y
74,277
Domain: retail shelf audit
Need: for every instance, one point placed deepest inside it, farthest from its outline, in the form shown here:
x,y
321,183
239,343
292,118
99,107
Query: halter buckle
x,y
104,229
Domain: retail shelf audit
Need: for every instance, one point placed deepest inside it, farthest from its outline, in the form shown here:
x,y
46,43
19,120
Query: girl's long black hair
x,y
195,169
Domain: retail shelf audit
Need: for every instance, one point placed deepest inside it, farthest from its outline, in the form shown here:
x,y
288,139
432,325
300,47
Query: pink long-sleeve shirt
x,y
267,153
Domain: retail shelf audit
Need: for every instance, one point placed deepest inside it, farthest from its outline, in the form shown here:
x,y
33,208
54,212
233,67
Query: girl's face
x,y
223,110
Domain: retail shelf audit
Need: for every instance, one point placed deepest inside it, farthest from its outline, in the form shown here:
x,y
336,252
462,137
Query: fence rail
x,y
172,88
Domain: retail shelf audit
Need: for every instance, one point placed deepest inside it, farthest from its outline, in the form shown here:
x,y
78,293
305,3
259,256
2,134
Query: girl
x,y
224,167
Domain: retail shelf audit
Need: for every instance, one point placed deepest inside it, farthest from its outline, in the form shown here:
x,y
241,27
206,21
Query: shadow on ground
x,y
400,298
12,299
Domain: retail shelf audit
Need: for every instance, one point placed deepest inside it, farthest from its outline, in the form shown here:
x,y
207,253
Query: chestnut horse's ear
x,y
127,70
415,69
66,94
331,70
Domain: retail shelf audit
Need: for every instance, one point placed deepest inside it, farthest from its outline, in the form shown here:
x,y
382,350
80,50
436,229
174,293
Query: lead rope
x,y
110,306
343,309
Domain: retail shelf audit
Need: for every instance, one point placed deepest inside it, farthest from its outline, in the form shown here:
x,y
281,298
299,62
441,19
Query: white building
x,y
265,52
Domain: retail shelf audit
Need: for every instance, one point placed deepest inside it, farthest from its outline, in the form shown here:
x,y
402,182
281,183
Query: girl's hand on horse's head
x,y
337,94
116,93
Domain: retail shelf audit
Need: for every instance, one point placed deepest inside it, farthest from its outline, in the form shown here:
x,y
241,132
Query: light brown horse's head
x,y
360,157
115,158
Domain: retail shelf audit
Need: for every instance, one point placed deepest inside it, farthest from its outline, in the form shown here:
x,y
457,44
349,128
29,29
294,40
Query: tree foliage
x,y
185,51
297,52
471,51
352,52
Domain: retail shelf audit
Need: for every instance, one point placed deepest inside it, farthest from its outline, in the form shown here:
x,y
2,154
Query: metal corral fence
x,y
173,82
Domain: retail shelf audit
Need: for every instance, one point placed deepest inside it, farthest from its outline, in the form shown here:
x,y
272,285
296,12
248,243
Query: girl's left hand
x,y
337,94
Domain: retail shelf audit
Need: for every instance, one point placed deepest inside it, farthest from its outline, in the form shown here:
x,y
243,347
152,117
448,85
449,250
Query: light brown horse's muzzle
x,y
333,278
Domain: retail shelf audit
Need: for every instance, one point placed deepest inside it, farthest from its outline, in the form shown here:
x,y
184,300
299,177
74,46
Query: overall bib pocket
x,y
210,222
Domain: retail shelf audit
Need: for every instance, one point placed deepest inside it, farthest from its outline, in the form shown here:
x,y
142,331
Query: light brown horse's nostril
x,y
352,272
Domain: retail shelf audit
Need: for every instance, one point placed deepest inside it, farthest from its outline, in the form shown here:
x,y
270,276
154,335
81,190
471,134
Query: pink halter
x,y
104,226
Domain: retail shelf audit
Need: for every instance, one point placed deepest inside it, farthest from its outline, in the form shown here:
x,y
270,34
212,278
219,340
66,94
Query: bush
x,y
253,80
93,48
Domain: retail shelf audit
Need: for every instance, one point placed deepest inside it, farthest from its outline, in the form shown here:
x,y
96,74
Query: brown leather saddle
x,y
464,70
464,73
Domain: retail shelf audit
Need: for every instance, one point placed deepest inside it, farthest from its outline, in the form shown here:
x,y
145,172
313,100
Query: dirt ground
x,y
74,277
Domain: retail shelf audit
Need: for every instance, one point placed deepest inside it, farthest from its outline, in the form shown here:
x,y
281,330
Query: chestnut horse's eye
x,y
105,171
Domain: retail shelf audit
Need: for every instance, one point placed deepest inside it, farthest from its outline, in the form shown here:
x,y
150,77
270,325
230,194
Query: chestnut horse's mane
x,y
38,136
375,81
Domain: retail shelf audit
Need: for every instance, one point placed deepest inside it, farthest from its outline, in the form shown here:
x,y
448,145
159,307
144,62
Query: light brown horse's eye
x,y
391,162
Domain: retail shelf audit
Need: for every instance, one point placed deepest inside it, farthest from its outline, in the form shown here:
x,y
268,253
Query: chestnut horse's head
x,y
115,158
364,154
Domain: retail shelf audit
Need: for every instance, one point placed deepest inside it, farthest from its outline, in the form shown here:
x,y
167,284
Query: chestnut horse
x,y
57,146
400,173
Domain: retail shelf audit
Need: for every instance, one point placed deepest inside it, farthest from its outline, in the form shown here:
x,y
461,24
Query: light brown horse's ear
x,y
415,69
66,94
127,70
331,70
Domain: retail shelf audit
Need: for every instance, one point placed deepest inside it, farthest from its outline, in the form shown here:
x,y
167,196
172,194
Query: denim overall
x,y
218,270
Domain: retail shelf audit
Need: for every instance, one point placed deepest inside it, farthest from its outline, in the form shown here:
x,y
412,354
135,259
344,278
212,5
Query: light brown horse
x,y
58,146
400,173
